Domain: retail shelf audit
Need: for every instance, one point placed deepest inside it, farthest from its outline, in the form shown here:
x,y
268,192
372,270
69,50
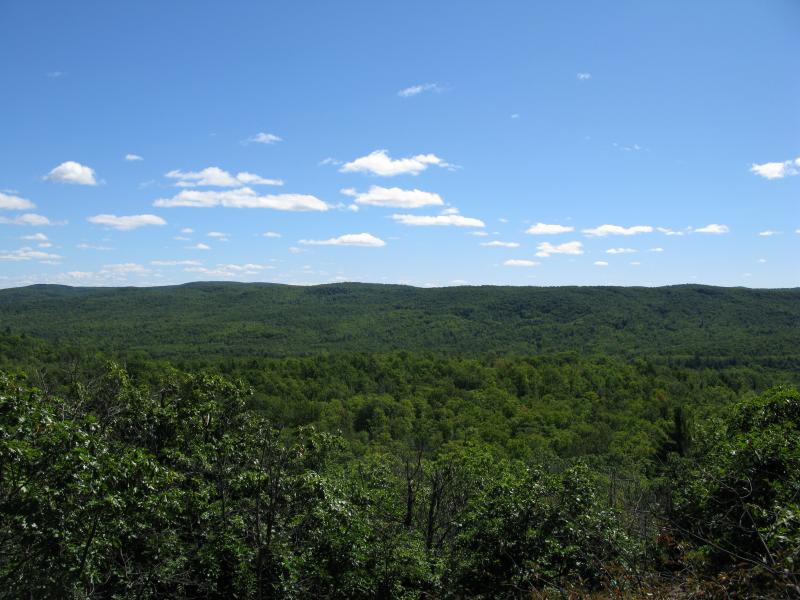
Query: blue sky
x,y
428,143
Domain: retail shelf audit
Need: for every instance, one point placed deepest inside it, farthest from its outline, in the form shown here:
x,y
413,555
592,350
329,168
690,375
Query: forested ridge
x,y
236,319
409,468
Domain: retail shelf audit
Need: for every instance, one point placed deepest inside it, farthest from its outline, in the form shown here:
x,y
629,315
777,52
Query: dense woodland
x,y
566,442
215,320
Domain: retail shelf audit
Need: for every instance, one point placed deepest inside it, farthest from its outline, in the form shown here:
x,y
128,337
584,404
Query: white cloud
x,y
584,76
27,253
394,197
713,228
762,260
415,90
231,270
252,179
518,262
127,222
187,230
200,246
72,172
133,157
478,233
631,148
768,233
246,267
35,237
454,220
655,250
620,250
498,244
243,198
380,163
265,138
777,170
635,263
11,202
216,177
122,269
349,239
546,249
548,229
271,234
26,219
668,231
222,237
604,230
515,116
92,247
211,176
175,263
600,263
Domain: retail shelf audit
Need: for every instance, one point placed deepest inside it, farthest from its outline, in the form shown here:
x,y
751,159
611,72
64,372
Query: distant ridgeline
x,y
214,319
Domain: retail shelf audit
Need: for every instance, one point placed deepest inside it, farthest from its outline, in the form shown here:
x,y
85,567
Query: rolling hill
x,y
212,319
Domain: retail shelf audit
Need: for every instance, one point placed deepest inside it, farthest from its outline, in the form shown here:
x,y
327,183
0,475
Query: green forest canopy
x,y
235,319
359,441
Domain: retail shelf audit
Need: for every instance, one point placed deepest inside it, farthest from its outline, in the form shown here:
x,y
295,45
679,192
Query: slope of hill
x,y
213,319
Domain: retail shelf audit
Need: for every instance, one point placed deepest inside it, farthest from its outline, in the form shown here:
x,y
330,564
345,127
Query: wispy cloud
x,y
498,244
548,229
668,231
216,177
265,138
27,219
243,198
366,240
546,249
415,90
768,233
380,163
584,76
35,237
84,246
133,157
126,223
620,250
229,270
394,197
712,228
12,202
175,263
27,253
604,230
453,220
600,263
520,262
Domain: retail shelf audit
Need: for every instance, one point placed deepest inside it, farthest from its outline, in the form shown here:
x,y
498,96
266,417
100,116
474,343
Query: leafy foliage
x,y
399,474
